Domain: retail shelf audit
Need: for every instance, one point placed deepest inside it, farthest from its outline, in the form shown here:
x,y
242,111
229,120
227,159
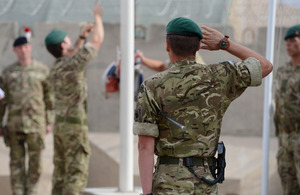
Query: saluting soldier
x,y
196,96
287,114
68,81
30,116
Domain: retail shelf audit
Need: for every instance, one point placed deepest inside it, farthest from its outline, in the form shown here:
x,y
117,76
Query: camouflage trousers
x,y
288,158
71,159
25,182
177,179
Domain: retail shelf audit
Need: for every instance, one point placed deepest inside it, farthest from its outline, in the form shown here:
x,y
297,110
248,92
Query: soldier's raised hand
x,y
211,38
85,31
98,10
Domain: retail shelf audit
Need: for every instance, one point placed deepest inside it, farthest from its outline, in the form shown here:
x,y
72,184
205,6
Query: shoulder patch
x,y
231,62
228,62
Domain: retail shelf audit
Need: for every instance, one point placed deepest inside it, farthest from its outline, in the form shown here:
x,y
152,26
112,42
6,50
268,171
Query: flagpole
x,y
268,98
126,96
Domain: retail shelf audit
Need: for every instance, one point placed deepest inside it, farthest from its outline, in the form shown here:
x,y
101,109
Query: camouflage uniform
x,y
196,96
287,122
29,106
71,144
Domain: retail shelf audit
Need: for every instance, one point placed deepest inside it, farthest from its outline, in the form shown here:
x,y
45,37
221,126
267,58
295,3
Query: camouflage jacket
x,y
196,96
287,95
28,99
68,83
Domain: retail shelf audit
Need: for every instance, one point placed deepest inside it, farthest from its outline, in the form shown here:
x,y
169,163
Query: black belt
x,y
187,161
71,120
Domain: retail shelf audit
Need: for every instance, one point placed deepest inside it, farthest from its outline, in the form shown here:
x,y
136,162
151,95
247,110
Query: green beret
x,y
292,32
183,26
55,37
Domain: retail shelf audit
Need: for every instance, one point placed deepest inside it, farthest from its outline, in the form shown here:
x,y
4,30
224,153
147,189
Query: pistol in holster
x,y
6,137
217,169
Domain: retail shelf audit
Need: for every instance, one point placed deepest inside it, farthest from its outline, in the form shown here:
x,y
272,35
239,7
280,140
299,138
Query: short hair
x,y
183,45
55,50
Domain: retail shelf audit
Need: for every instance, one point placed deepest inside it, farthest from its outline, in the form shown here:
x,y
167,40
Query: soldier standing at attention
x,y
287,114
29,104
196,96
71,143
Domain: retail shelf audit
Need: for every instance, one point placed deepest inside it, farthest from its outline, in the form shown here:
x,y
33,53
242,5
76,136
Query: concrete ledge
x,y
5,185
105,159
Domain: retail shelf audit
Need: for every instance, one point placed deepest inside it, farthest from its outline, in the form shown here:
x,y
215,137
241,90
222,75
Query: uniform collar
x,y
187,61
289,64
29,65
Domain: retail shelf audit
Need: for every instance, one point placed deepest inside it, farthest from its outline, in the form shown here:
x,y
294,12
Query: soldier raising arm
x,y
97,36
68,80
196,96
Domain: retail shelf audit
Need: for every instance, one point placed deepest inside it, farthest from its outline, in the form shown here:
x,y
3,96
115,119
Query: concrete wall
x,y
244,116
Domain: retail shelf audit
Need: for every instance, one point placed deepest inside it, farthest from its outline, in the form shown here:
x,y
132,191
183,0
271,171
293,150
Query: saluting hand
x,y
211,38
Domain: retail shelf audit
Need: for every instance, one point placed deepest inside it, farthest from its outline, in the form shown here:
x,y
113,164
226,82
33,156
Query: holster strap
x,y
187,161
71,120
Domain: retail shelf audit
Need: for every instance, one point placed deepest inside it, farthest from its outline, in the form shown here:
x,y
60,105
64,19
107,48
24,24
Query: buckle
x,y
188,162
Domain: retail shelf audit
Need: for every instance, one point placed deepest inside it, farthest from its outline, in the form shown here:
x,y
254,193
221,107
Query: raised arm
x,y
84,33
97,36
211,40
155,65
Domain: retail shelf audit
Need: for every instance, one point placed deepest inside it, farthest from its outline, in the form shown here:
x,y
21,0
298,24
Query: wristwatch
x,y
82,37
224,43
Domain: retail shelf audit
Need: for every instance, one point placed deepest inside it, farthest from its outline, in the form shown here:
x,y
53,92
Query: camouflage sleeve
x,y
145,114
3,102
254,68
84,55
237,76
48,99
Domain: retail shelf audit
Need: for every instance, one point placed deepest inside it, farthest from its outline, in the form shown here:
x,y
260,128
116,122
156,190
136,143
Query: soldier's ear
x,y
167,46
62,44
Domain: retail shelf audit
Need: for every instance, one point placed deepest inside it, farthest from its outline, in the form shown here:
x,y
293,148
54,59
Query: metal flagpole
x,y
126,96
268,97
